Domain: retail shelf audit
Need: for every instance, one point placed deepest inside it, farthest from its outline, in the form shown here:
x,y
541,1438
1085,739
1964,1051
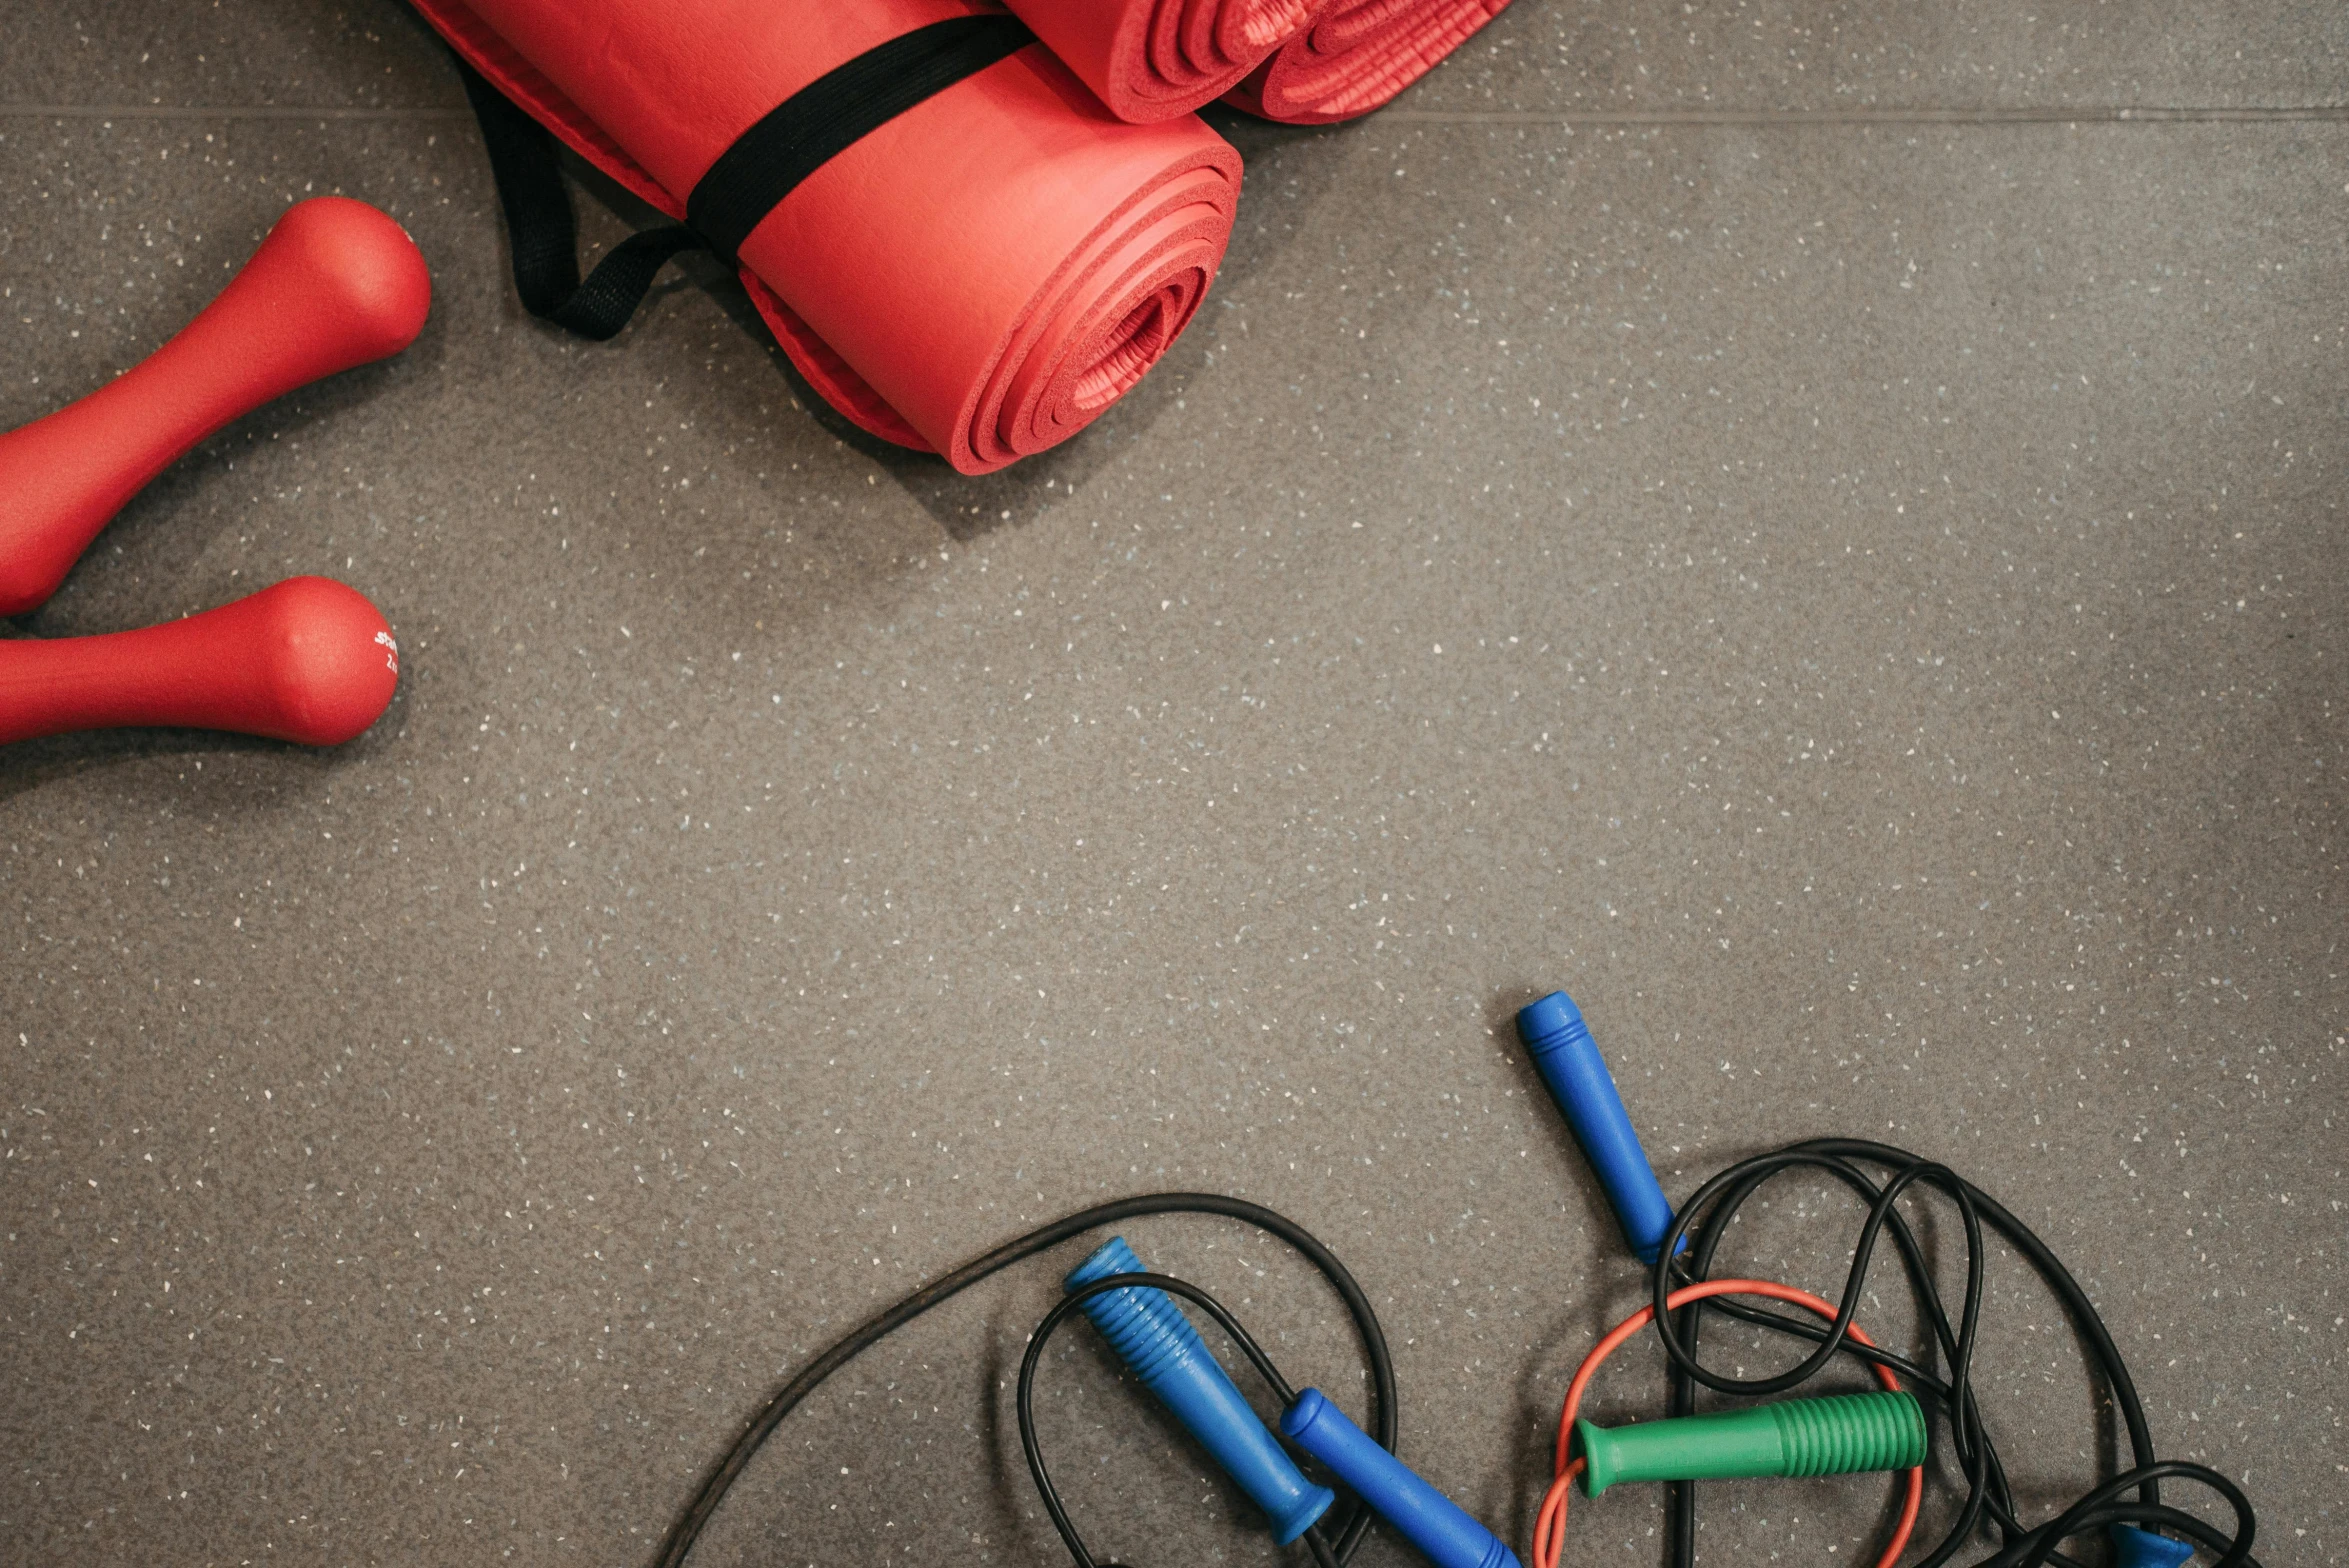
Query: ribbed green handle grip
x,y
1850,1432
1831,1436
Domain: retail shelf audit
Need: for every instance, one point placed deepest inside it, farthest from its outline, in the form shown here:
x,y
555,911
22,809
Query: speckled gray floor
x,y
1816,527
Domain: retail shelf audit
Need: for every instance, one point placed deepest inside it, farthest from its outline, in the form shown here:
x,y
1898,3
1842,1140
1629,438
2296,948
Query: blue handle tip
x,y
1443,1530
2133,1547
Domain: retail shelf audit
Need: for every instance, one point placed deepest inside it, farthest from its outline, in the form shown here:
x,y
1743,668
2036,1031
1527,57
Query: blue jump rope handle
x,y
1156,1341
2137,1548
1427,1518
1560,1044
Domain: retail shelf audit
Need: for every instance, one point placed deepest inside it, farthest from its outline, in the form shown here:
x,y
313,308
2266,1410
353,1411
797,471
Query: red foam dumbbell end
x,y
336,284
308,660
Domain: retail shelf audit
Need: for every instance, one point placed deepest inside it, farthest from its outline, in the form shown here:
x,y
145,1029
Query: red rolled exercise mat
x,y
1357,55
308,660
336,284
1154,59
979,276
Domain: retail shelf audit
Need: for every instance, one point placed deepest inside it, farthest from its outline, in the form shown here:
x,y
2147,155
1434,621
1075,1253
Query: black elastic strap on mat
x,y
765,164
833,112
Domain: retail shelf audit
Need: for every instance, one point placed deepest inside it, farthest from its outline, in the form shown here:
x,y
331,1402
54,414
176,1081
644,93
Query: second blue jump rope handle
x,y
1155,1339
1439,1527
1560,1044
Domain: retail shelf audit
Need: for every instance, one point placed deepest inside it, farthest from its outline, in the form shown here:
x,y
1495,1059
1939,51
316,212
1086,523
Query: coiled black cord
x,y
723,1475
1705,1219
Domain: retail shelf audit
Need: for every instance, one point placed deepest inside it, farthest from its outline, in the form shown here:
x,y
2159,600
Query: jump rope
x,y
1923,1391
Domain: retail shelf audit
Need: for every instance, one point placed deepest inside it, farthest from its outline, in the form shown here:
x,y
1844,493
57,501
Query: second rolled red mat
x,y
1356,56
1304,62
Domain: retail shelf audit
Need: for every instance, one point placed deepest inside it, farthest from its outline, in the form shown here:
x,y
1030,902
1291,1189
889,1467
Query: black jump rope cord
x,y
1705,1220
689,1525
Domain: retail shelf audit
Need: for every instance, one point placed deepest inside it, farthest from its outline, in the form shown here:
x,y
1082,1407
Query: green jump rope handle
x,y
1832,1436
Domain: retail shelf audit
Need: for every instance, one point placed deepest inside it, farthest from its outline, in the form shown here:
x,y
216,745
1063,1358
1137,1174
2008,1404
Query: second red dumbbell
x,y
308,660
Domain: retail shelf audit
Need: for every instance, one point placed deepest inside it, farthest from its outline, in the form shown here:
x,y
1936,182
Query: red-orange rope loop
x,y
1549,1526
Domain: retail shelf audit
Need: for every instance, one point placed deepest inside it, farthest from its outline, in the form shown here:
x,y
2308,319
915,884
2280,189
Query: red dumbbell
x,y
308,660
336,284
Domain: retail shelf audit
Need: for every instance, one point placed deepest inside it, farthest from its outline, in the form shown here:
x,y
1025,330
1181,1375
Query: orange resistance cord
x,y
1549,1527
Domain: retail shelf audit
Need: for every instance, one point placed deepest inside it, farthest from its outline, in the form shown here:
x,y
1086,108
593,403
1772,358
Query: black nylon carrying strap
x,y
545,237
764,165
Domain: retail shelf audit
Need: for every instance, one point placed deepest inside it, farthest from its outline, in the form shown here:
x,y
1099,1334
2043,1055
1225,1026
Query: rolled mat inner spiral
x,y
1357,55
1153,59
980,276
